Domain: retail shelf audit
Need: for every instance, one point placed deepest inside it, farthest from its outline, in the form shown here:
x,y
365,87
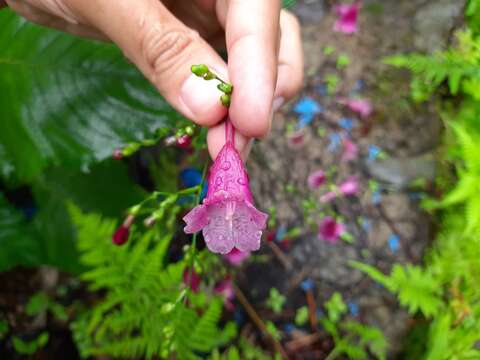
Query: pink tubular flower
x,y
350,150
316,179
330,230
236,257
347,18
227,216
349,186
225,289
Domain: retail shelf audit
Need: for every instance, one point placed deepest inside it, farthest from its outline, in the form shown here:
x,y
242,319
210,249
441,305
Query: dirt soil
x,y
385,219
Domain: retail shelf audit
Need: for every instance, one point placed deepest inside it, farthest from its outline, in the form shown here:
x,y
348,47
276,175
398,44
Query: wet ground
x,y
395,165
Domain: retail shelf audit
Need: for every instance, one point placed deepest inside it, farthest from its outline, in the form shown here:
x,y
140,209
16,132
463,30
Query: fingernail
x,y
199,96
277,103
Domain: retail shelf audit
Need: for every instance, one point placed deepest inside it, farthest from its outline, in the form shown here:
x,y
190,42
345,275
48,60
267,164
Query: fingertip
x,y
251,113
200,101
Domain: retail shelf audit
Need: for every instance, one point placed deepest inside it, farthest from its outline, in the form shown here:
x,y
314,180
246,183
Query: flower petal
x,y
248,226
218,233
196,219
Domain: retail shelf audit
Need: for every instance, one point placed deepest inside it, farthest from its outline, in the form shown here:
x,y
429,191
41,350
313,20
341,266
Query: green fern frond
x,y
417,289
143,313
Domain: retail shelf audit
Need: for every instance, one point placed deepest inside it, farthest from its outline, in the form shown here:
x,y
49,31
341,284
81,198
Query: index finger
x,y
252,32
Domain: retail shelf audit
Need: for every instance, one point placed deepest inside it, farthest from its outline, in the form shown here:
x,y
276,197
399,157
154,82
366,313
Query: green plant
x,y
444,289
301,316
147,311
352,339
3,328
57,90
30,347
275,300
40,303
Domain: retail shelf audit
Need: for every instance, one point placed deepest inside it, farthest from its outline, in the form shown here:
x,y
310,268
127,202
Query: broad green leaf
x,y
68,101
18,242
49,238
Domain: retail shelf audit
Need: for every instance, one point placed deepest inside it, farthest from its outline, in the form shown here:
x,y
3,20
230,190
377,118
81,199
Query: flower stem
x,y
193,246
229,131
205,73
258,321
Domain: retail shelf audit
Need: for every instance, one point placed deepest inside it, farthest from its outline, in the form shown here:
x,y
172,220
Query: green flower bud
x,y
225,99
200,70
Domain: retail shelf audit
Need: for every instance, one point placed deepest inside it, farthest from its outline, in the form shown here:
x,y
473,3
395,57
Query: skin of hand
x,y
164,38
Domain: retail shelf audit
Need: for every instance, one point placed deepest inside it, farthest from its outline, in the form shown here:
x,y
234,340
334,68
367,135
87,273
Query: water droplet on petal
x,y
218,181
241,181
226,165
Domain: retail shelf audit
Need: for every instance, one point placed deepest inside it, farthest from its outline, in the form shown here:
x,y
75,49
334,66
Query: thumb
x,y
163,48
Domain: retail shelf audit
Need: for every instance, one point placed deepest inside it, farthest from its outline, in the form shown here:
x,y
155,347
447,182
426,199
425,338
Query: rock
x,y
310,11
401,172
433,23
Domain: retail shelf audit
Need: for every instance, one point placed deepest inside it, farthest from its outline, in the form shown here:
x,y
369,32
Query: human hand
x,y
164,38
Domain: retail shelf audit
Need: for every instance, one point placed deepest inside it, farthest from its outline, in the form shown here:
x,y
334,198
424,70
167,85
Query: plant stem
x,y
258,321
229,131
193,246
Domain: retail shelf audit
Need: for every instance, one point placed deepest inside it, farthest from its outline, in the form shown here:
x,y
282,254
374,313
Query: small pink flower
x,y
363,107
191,279
225,289
236,257
330,230
316,179
328,196
227,216
350,186
122,234
350,150
347,18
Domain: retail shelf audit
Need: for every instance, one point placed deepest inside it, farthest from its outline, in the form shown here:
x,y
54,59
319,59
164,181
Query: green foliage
x,y
417,288
68,101
458,67
41,303
445,289
465,191
17,239
336,307
301,316
287,4
49,238
3,328
30,347
243,351
275,300
273,331
144,312
343,61
352,339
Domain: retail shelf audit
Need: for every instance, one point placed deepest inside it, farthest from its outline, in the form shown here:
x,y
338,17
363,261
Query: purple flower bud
x,y
117,154
122,234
